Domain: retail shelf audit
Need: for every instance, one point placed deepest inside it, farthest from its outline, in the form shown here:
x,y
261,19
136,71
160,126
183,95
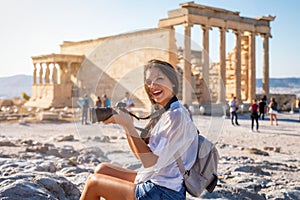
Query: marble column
x,y
245,67
187,73
222,67
41,74
265,78
238,65
54,74
252,68
205,64
47,73
68,77
62,72
34,73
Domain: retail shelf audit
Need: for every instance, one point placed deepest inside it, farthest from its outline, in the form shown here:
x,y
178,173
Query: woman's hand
x,y
121,118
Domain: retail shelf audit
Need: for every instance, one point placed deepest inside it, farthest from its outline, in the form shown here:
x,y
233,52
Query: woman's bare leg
x,y
116,171
271,118
108,187
111,182
275,117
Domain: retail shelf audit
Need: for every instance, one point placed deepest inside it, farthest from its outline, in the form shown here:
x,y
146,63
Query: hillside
x,y
281,82
13,86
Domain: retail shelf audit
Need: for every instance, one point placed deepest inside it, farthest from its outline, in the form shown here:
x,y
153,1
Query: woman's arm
x,y
138,146
271,104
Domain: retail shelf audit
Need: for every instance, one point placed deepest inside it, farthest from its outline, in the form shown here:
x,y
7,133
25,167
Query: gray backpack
x,y
203,174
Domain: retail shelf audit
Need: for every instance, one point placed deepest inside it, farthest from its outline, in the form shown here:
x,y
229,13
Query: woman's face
x,y
159,85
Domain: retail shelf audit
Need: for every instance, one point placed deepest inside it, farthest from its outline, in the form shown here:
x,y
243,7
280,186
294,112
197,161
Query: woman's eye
x,y
148,82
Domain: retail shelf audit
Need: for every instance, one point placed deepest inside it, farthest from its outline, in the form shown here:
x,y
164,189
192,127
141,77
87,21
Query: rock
x,y
67,152
284,194
47,116
63,138
37,186
101,139
7,143
257,151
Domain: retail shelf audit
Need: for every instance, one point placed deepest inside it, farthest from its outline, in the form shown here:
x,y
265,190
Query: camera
x,y
100,114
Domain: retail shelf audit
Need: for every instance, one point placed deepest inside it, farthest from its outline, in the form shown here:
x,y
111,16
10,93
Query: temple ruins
x,y
112,64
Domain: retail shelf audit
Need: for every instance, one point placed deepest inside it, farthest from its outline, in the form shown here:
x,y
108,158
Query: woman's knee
x,y
92,181
101,168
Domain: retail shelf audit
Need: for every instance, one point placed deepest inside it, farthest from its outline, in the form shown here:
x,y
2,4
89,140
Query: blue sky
x,y
35,27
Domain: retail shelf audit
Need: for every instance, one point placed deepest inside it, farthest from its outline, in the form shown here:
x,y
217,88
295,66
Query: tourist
x,y
267,104
169,130
273,110
233,107
262,108
106,101
128,101
85,104
254,109
98,102
299,108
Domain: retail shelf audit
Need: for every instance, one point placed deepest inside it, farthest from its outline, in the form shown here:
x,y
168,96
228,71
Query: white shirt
x,y
232,105
174,132
129,102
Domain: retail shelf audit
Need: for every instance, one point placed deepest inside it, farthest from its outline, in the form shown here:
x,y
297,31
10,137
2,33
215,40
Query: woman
x,y
98,103
254,109
170,133
273,110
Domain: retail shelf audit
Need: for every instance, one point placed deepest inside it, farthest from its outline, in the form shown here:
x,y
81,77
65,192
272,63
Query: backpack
x,y
203,174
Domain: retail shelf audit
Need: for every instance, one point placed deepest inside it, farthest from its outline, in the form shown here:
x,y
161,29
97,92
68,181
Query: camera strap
x,y
157,113
154,117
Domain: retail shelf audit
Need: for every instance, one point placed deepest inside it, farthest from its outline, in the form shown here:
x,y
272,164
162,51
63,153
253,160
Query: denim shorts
x,y
150,191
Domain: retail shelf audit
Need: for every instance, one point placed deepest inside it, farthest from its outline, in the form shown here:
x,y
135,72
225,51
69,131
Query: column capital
x,y
237,31
187,25
266,35
223,29
206,27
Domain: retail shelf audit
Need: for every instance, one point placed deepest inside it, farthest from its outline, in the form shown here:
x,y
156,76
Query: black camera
x,y
100,114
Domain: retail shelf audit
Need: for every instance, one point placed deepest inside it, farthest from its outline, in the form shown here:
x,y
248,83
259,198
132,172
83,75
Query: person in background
x,y
128,101
106,101
267,104
262,108
254,109
168,132
98,102
273,110
299,107
85,102
233,106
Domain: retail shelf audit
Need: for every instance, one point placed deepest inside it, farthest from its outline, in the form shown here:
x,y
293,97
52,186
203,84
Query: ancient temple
x,y
112,65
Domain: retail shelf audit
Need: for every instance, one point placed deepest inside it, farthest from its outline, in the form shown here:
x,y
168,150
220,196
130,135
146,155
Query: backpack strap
x,y
182,170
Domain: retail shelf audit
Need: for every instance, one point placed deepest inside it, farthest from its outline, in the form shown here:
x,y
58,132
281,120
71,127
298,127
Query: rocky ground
x,y
51,160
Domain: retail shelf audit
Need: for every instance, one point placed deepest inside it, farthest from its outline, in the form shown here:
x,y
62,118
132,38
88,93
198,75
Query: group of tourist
x,y
257,111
